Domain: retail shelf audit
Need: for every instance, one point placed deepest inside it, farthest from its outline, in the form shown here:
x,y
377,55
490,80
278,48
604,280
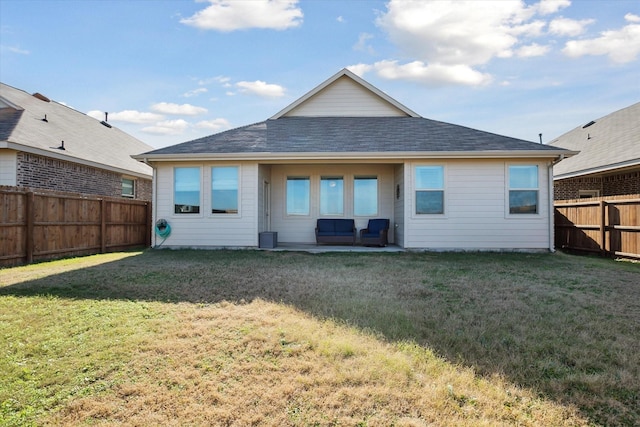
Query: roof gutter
x,y
350,156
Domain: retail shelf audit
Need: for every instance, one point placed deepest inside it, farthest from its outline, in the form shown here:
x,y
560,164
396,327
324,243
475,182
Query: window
x,y
298,195
224,190
365,195
128,187
186,190
523,189
331,195
429,190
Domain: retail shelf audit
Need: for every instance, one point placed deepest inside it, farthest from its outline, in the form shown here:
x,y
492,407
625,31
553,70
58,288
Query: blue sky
x,y
175,70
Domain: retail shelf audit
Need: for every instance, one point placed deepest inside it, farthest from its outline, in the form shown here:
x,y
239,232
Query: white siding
x,y
399,197
8,167
476,210
300,229
344,97
204,229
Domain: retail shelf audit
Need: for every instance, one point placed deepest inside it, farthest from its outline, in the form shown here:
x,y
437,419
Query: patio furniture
x,y
335,231
376,233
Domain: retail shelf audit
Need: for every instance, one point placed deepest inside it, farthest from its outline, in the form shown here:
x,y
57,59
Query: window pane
x,y
430,177
298,195
127,187
429,202
186,190
523,176
523,201
331,196
224,189
365,196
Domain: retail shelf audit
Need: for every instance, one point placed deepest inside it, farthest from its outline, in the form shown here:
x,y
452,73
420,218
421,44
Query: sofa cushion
x,y
326,226
344,226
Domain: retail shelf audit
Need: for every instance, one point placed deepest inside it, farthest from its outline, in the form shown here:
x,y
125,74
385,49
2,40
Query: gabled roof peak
x,y
357,80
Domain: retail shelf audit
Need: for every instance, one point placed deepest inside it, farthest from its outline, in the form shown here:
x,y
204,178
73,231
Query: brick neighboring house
x,y
609,160
47,145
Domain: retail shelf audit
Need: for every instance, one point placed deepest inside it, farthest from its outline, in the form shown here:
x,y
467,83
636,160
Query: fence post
x,y
103,226
30,223
603,227
149,221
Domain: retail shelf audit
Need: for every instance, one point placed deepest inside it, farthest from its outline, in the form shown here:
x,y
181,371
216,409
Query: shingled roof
x,y
610,142
38,125
347,118
352,135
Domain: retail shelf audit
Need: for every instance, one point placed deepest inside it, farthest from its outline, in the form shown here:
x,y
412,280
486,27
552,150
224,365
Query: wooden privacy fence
x,y
606,225
37,225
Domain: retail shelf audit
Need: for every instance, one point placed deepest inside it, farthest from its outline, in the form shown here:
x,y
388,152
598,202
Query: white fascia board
x,y
599,169
354,156
67,158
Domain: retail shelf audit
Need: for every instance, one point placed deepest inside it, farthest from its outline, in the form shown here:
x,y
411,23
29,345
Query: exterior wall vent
x,y
588,124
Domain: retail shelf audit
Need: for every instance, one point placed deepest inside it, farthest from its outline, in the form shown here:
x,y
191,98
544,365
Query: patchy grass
x,y
276,338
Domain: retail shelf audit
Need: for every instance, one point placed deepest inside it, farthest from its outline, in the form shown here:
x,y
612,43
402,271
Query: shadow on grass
x,y
565,326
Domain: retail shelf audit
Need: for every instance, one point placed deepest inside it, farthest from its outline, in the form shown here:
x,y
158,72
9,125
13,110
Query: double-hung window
x,y
298,195
128,187
331,195
523,189
224,190
365,195
186,190
429,190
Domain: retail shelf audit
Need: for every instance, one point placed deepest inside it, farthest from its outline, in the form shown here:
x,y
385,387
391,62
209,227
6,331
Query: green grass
x,y
273,338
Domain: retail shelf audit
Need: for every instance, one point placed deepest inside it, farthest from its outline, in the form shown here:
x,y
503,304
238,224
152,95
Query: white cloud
x,y
214,124
360,69
227,15
128,116
432,73
17,50
195,92
340,19
177,110
362,44
621,46
261,88
167,127
454,32
223,80
630,17
569,27
533,49
547,7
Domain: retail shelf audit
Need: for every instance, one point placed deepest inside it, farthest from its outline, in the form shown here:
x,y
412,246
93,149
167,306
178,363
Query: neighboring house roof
x,y
363,124
86,140
608,143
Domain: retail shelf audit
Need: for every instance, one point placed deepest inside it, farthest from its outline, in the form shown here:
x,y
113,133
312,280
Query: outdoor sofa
x,y
336,231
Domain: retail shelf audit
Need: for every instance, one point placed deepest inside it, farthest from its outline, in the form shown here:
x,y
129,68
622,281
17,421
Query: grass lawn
x,y
281,338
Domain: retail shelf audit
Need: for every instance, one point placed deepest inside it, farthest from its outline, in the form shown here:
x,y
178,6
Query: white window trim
x,y
344,196
445,190
507,188
209,192
353,195
309,201
133,184
173,193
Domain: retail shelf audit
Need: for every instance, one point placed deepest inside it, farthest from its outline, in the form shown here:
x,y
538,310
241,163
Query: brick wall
x,y
610,185
43,172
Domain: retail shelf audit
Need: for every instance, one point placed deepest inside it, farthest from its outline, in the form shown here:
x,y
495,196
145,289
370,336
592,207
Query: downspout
x,y
552,210
154,184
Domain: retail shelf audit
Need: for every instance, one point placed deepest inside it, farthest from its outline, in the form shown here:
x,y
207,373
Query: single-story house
x,y
348,150
609,159
47,145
